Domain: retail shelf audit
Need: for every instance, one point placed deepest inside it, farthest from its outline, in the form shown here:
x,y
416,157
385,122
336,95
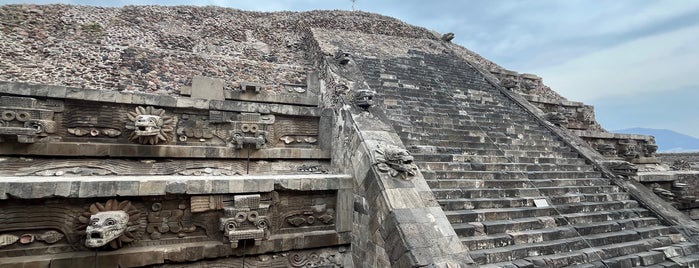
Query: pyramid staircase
x,y
516,194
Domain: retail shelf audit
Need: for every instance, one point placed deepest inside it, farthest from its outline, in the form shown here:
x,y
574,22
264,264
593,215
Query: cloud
x,y
660,62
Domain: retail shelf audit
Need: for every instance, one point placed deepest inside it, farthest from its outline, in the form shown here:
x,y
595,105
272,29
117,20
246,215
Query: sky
x,y
636,61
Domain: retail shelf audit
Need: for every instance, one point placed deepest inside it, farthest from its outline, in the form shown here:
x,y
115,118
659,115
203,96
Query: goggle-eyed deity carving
x,y
247,220
248,128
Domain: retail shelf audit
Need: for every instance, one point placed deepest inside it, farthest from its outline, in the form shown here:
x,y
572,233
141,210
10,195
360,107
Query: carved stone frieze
x,y
151,125
94,132
396,161
342,57
246,129
247,219
162,221
316,259
364,98
298,139
110,224
24,119
621,168
557,119
8,239
447,37
606,149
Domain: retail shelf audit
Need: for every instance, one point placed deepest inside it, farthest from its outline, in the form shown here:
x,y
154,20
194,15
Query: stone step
x,y
516,156
616,225
599,197
513,183
574,251
415,137
507,213
611,222
513,238
511,202
514,252
536,175
452,154
506,175
464,229
569,182
602,216
477,183
475,166
444,193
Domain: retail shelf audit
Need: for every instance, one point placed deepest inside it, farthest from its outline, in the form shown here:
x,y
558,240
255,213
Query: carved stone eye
x,y
94,221
110,222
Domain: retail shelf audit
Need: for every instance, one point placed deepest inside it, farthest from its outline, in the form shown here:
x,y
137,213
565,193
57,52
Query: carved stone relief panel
x,y
150,125
633,150
105,124
27,120
244,129
307,210
94,121
396,161
228,221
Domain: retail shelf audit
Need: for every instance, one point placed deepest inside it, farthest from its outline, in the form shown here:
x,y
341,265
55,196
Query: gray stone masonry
x,y
28,187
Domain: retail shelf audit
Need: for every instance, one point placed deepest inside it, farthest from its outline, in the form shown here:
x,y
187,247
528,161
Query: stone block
x,y
127,188
89,189
138,98
139,259
199,186
20,89
192,103
403,198
236,185
167,101
91,95
265,185
151,99
19,190
40,90
75,93
151,187
344,208
186,90
57,92
207,88
3,190
176,187
220,186
108,96
43,189
251,185
122,97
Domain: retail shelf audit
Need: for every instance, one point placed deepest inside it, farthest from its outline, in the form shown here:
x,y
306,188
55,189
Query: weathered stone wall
x,y
160,49
396,220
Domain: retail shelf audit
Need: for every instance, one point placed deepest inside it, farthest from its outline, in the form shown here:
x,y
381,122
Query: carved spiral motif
x,y
298,260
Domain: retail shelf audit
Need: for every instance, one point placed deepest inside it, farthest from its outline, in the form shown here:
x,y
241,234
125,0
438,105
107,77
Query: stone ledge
x,y
539,99
177,253
34,187
295,99
609,135
137,98
137,150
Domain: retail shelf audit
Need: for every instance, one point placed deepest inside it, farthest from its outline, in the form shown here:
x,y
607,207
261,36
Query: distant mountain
x,y
668,141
